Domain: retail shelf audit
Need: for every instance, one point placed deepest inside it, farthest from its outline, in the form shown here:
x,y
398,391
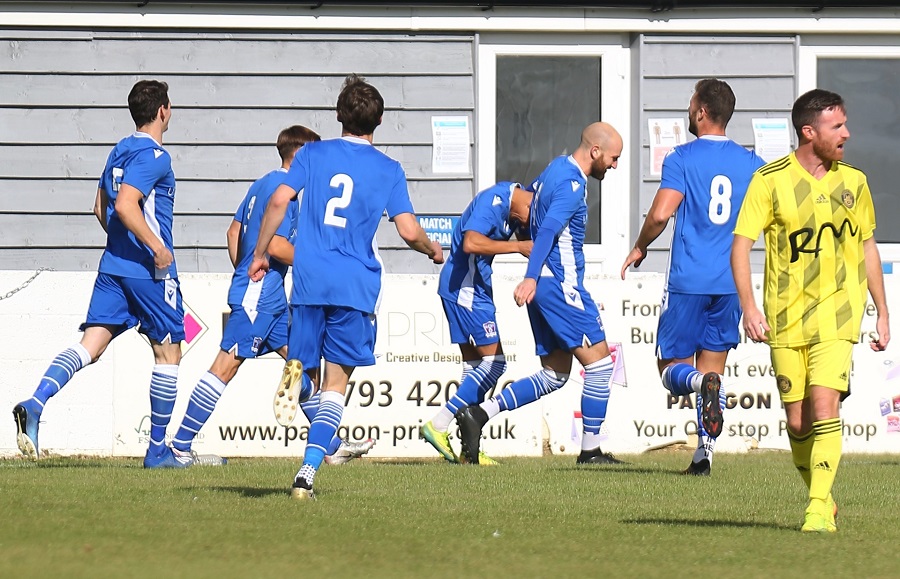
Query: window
x,y
868,78
534,99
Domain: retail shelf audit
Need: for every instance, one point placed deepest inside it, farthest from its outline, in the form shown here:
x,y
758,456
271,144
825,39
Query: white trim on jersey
x,y
250,300
381,273
153,224
570,270
466,295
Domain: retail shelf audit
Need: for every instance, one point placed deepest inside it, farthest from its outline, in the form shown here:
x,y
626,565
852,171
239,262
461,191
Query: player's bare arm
x,y
100,203
128,207
754,321
664,205
272,218
281,249
875,277
233,237
416,238
475,243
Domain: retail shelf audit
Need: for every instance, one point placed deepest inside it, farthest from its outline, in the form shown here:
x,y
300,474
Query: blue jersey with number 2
x,y
712,173
345,186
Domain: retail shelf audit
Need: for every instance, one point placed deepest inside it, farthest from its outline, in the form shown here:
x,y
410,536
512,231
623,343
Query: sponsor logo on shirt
x,y
801,239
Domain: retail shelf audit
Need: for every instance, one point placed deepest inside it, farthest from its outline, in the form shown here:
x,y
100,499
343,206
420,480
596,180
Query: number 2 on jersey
x,y
720,200
335,203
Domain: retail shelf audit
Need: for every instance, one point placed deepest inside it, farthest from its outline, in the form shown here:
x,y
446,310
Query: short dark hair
x,y
292,138
717,98
359,106
810,105
144,100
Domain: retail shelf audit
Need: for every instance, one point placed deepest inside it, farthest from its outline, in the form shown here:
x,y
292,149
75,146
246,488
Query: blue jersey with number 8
x,y
712,173
344,186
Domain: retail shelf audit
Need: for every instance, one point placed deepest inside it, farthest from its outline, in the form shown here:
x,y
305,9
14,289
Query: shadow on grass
x,y
252,492
616,469
71,462
707,523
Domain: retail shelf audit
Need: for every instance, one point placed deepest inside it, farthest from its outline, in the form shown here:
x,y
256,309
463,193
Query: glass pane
x,y
870,87
543,103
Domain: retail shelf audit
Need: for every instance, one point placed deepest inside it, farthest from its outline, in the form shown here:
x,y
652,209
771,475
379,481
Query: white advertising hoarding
x,y
105,409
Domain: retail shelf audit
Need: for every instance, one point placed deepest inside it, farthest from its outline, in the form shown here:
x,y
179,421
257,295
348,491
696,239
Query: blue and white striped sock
x,y
526,390
163,388
594,401
681,379
309,408
201,405
479,381
444,417
61,370
323,428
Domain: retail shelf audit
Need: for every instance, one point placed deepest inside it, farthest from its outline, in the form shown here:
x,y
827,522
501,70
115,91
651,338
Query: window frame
x,y
615,104
807,79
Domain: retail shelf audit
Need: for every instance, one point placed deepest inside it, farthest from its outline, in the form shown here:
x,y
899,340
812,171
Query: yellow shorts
x,y
824,364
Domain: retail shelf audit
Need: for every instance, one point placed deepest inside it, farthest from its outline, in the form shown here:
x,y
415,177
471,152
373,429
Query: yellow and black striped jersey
x,y
815,280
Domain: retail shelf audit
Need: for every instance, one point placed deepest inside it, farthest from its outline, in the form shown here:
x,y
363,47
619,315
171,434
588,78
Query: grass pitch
x,y
543,517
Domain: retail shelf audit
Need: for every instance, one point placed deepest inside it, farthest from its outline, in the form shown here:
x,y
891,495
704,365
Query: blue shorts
x,y
476,326
126,302
563,320
689,323
251,338
340,335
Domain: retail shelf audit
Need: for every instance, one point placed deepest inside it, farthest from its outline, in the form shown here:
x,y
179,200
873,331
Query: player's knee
x,y
552,380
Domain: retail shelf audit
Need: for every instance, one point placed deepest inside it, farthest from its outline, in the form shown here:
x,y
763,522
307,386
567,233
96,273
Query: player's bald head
x,y
600,149
602,135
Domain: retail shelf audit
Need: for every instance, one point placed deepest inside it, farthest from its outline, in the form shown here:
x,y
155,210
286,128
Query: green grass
x,y
542,517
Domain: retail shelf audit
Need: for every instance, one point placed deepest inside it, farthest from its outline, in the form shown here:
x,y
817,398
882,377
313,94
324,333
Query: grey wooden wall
x,y
63,106
761,72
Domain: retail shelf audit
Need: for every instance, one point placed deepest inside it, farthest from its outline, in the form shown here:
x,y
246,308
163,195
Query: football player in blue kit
x,y
703,184
347,185
483,231
258,322
564,318
137,281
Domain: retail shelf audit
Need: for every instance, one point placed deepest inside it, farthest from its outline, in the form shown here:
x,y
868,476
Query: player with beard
x,y
703,183
564,318
821,261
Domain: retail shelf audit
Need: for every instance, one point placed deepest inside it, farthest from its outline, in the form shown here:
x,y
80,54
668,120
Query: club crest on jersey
x,y
257,342
490,329
848,199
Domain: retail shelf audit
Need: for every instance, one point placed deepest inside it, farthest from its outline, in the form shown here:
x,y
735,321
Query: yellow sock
x,y
824,458
801,447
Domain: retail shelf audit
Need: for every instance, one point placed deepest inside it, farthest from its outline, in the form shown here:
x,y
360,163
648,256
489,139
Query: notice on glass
x,y
450,144
772,138
665,135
